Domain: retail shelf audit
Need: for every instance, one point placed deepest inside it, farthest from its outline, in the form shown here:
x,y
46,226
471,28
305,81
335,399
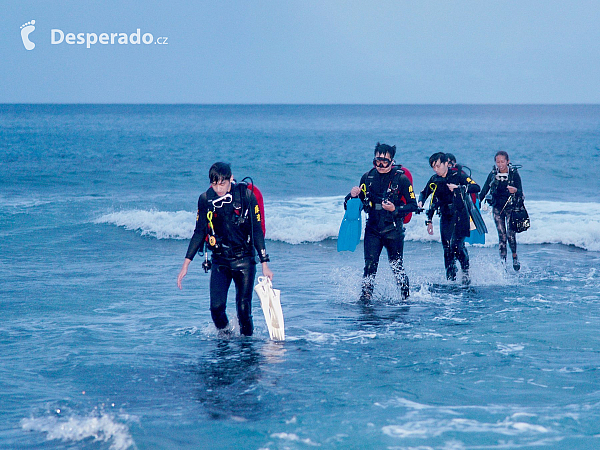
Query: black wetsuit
x,y
237,231
502,208
455,219
385,228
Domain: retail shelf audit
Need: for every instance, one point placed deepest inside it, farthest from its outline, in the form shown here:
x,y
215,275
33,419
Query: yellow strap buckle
x,y
209,216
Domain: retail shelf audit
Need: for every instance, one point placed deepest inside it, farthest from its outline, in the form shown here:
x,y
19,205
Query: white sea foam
x,y
354,337
294,438
435,427
75,429
314,219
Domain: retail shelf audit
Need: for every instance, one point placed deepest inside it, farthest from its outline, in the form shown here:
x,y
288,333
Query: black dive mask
x,y
382,162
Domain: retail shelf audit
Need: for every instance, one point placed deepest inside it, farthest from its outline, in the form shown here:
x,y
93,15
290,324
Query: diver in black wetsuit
x,y
446,188
506,190
229,221
387,195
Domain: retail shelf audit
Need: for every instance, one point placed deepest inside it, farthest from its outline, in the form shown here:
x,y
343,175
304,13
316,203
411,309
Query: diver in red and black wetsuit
x,y
387,195
229,221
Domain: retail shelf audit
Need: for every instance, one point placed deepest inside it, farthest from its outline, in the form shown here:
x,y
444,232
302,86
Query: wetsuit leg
x,y
446,230
220,280
500,220
394,244
460,251
243,277
511,234
373,245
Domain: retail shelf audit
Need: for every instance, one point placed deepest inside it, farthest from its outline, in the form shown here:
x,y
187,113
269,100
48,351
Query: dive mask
x,y
381,161
224,200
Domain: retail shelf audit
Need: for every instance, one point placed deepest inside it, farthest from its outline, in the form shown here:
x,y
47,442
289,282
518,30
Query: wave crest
x,y
314,219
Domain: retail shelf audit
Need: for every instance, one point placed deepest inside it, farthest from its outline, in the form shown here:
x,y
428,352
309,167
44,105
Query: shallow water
x,y
100,349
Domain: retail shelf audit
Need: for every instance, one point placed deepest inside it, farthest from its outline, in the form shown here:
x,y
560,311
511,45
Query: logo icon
x,y
26,30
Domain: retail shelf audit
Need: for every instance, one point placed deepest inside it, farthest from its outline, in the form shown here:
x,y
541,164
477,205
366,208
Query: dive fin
x,y
477,218
478,227
478,234
270,301
351,227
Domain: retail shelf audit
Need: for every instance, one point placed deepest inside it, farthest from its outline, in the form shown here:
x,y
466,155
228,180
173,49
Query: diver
x,y
451,160
387,196
448,188
229,224
453,164
505,192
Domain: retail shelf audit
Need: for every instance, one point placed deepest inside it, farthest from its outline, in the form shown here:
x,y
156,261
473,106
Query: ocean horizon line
x,y
284,104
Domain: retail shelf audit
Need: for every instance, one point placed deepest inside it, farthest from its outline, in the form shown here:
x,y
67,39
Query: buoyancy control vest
x,y
501,179
393,191
240,197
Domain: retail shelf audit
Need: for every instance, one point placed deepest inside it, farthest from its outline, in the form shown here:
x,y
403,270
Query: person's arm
x,y
259,237
201,229
486,187
357,192
425,193
183,272
197,239
516,187
431,211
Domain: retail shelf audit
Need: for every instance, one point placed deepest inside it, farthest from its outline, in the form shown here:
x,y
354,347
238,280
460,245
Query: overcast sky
x,y
278,51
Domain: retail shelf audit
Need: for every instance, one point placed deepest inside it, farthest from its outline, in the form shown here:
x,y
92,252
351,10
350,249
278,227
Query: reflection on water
x,y
231,378
375,313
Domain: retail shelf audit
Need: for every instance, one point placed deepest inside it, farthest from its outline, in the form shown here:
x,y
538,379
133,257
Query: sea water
x,y
100,349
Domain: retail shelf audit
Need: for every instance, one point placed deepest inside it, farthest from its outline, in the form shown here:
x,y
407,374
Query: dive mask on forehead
x,y
381,161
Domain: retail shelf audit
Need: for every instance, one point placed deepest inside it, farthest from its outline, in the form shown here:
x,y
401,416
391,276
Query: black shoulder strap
x,y
399,171
240,200
209,196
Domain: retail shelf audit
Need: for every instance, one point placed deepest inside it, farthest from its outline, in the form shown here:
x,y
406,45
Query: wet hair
x,y
441,156
382,149
502,153
451,158
219,171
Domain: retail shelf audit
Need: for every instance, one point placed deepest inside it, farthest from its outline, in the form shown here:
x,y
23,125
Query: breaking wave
x,y
314,219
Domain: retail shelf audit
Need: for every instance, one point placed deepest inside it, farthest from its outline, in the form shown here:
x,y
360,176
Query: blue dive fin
x,y
351,227
478,234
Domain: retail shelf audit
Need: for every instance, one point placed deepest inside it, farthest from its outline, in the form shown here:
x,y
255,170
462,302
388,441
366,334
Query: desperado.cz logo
x,y
26,30
58,36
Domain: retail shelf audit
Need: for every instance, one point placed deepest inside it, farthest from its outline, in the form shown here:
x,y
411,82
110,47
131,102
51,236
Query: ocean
x,y
101,350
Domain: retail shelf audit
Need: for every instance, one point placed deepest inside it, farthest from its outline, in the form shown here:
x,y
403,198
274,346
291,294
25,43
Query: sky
x,y
301,52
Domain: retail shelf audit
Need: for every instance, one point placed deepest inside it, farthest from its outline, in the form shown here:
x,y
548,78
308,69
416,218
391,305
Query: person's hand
x,y
183,272
388,206
420,204
511,189
266,271
452,186
430,228
354,191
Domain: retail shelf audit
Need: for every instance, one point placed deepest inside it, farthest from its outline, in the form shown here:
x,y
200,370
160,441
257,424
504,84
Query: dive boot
x,y
516,264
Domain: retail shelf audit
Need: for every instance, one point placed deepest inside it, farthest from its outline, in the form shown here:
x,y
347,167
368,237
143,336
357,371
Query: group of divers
x,y
230,224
